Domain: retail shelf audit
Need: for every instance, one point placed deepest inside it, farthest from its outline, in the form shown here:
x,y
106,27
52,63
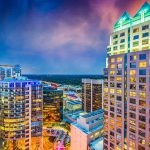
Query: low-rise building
x,y
87,130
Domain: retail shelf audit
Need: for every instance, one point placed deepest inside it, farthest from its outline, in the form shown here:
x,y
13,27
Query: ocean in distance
x,y
63,79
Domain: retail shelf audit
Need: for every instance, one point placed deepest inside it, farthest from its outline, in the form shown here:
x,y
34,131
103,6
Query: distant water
x,y
64,79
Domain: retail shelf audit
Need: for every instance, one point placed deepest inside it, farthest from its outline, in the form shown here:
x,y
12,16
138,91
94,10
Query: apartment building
x,y
21,103
127,83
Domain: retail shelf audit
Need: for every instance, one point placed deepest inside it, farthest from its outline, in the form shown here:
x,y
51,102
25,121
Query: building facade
x,y
52,105
87,132
21,114
126,83
7,71
92,97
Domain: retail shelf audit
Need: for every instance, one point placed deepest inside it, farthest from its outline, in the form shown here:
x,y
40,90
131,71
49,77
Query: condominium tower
x,y
127,83
92,90
20,114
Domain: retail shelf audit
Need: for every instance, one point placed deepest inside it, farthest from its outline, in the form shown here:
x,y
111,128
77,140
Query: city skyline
x,y
64,36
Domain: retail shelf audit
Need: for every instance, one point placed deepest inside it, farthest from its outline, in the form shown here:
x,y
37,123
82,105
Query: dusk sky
x,y
59,36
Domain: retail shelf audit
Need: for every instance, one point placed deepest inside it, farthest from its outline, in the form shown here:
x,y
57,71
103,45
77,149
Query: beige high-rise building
x,y
127,83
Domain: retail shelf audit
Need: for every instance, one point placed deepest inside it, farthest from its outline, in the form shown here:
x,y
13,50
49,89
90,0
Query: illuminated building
x,y
53,105
7,71
126,84
92,94
21,114
87,132
73,106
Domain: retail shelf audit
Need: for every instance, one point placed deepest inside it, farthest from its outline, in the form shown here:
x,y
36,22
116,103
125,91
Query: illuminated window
x,y
119,59
105,90
133,94
112,60
132,144
132,72
135,44
112,66
132,57
142,64
142,103
119,124
132,129
142,126
112,121
122,46
142,95
135,30
112,91
142,141
119,79
145,41
112,72
132,79
115,42
132,122
119,91
132,108
119,65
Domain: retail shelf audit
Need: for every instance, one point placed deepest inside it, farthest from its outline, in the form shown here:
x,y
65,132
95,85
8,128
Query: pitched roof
x,y
125,18
145,8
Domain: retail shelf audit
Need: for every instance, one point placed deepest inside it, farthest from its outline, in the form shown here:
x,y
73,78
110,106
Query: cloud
x,y
69,36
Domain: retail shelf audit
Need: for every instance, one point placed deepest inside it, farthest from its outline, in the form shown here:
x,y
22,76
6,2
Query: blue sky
x,y
59,36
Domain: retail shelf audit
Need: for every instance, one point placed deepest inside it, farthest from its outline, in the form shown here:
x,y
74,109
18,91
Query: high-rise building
x,y
21,103
52,105
92,97
87,132
8,71
127,83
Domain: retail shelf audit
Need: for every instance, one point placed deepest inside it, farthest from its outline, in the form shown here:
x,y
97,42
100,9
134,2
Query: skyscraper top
x,y
142,15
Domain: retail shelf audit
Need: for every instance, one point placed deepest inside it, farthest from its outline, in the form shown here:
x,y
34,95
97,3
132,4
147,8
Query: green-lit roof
x,y
145,8
124,19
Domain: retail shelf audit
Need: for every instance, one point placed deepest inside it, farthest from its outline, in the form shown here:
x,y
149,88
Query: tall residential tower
x,y
127,83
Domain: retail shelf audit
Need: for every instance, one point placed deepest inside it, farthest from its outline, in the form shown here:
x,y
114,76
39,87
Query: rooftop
x,y
74,102
126,20
94,113
96,128
19,79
